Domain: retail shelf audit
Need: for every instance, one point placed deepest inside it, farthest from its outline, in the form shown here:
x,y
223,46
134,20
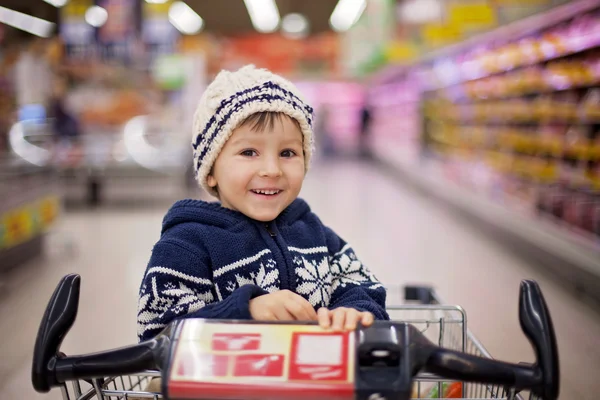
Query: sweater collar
x,y
213,213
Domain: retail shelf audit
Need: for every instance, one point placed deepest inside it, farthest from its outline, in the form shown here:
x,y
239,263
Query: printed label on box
x,y
258,365
258,360
235,341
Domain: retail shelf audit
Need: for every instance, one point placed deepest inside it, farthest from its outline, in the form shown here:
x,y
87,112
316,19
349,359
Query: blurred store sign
x,y
316,54
435,35
473,14
398,51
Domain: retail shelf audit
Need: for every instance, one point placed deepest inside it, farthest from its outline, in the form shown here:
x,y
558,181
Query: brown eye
x,y
288,153
248,153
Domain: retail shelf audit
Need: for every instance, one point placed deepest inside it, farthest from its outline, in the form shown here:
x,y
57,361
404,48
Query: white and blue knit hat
x,y
230,99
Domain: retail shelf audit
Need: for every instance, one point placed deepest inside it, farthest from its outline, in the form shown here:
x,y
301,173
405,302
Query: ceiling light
x,y
156,1
294,25
420,11
346,13
186,20
27,23
96,16
57,3
263,14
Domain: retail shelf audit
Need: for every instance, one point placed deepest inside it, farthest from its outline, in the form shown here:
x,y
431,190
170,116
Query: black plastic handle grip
x,y
126,360
58,319
542,378
467,367
537,326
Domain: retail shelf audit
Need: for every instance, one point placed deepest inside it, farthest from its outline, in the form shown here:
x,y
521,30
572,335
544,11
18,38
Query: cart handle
x,y
543,377
536,324
409,352
58,319
51,368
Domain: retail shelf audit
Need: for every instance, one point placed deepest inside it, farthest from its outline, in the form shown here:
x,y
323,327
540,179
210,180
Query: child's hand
x,y
282,305
343,318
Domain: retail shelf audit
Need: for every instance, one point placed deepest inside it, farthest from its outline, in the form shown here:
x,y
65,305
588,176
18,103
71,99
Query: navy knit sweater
x,y
211,261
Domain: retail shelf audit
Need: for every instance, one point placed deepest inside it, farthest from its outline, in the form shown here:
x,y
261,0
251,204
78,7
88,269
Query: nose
x,y
270,167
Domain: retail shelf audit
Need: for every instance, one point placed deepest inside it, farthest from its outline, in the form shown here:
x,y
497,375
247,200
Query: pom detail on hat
x,y
230,99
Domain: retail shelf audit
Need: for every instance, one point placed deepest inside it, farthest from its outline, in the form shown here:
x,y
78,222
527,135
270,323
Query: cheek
x,y
295,173
239,178
229,174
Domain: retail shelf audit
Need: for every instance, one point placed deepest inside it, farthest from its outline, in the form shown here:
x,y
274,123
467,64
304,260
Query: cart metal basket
x,y
445,325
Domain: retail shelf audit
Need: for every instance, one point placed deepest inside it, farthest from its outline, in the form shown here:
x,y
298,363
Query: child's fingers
x,y
338,319
324,317
281,313
367,318
352,318
343,318
300,309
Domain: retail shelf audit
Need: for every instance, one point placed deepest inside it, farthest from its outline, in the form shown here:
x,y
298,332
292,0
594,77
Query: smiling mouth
x,y
271,192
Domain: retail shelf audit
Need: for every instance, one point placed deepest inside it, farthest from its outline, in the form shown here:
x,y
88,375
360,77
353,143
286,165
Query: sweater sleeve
x,y
354,285
178,284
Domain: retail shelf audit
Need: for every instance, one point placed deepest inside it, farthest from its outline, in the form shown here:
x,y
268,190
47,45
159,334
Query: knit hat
x,y
230,99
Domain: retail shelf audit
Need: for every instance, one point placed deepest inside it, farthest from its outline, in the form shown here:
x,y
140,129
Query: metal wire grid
x,y
128,387
447,327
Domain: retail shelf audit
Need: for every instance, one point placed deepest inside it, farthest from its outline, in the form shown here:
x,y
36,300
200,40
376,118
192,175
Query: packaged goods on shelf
x,y
516,116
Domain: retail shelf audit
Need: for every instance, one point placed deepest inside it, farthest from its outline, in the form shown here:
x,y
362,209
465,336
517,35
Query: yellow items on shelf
x,y
27,221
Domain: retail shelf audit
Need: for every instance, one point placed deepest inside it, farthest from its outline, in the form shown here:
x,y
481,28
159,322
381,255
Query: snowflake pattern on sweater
x,y
177,294
192,273
260,270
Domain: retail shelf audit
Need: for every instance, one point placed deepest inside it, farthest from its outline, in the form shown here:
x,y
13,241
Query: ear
x,y
212,182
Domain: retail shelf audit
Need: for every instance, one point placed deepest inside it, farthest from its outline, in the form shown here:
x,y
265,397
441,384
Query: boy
x,y
260,253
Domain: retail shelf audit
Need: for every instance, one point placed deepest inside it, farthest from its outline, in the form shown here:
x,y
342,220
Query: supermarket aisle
x,y
403,236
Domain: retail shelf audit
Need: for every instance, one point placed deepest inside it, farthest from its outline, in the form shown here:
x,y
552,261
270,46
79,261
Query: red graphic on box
x,y
205,365
259,365
319,356
236,341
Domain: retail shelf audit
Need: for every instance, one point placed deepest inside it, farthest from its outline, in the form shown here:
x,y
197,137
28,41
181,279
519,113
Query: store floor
x,y
402,235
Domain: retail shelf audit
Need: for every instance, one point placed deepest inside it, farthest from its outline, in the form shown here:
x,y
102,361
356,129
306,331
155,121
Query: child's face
x,y
254,161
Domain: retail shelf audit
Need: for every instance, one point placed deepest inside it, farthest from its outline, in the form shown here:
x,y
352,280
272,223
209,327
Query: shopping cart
x,y
426,351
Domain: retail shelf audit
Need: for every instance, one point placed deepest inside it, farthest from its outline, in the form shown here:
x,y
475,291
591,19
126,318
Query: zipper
x,y
271,233
285,268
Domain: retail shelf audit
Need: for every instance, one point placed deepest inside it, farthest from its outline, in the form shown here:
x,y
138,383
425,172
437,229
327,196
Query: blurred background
x,y
458,146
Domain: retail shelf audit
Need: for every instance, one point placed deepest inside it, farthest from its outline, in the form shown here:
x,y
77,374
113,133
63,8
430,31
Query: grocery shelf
x,y
544,233
466,101
512,32
29,206
507,113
